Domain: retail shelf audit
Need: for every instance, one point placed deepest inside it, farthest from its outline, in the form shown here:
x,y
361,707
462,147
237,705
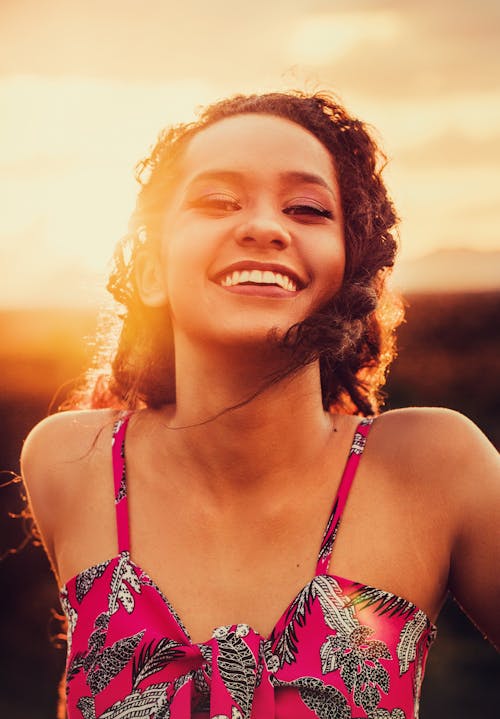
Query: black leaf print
x,y
124,578
337,613
152,702
87,707
237,668
325,701
206,653
85,580
71,616
386,714
367,696
359,441
408,640
111,661
328,655
329,535
380,601
75,666
200,682
357,657
153,658
286,647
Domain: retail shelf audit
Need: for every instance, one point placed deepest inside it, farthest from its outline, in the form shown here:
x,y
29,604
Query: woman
x,y
257,329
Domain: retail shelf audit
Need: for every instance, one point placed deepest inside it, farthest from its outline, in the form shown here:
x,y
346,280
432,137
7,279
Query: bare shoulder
x,y
62,438
58,454
430,435
456,470
441,450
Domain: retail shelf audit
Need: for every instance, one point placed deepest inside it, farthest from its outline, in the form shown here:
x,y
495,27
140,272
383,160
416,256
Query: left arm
x,y
474,491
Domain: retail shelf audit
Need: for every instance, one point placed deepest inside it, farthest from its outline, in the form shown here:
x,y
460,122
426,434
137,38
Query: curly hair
x,y
352,335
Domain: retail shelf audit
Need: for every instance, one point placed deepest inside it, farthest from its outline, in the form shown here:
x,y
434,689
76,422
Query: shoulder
x,y
441,457
64,437
59,457
430,434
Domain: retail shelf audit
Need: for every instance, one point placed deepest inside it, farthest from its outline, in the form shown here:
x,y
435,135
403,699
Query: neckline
x,y
323,560
125,556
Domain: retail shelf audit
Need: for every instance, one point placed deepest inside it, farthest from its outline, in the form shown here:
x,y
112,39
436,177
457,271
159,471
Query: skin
x,y
227,516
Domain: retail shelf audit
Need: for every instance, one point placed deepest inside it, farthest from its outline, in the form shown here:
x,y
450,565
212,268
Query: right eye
x,y
217,203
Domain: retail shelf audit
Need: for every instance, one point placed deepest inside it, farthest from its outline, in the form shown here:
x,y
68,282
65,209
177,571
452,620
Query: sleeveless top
x,y
340,650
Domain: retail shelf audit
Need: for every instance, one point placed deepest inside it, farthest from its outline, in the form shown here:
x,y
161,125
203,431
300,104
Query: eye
x,y
217,202
308,209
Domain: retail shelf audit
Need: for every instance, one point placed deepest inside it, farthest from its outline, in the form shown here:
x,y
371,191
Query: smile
x,y
258,277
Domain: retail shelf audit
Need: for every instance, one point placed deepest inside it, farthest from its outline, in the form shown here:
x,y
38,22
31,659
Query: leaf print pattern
x,y
359,441
358,659
329,536
71,616
337,611
122,490
85,580
236,664
286,647
381,602
152,702
111,661
325,702
153,658
123,578
408,640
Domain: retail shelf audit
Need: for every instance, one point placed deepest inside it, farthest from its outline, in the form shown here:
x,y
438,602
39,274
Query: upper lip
x,y
262,266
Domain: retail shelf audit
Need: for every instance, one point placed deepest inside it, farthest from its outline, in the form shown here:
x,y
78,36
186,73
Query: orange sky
x,y
85,85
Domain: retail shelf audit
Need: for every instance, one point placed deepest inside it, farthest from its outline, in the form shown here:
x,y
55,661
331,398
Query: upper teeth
x,y
266,277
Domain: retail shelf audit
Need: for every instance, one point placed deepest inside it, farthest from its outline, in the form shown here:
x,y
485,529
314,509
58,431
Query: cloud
x,y
453,149
148,41
434,49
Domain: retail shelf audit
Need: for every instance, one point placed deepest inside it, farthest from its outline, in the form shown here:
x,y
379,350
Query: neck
x,y
276,434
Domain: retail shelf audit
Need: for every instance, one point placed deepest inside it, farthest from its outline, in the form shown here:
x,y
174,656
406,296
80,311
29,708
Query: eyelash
x,y
224,203
308,210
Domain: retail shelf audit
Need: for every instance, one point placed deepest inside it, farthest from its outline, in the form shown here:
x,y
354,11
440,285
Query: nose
x,y
264,229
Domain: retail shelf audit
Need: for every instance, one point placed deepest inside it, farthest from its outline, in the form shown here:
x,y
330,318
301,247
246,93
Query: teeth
x,y
267,277
256,276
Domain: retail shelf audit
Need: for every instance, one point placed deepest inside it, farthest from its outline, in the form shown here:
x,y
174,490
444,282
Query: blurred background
x,y
84,89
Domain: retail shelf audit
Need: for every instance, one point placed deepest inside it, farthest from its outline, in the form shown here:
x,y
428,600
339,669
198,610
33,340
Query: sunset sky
x,y
85,85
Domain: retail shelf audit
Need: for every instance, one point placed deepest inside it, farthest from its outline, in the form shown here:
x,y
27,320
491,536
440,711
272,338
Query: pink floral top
x,y
340,650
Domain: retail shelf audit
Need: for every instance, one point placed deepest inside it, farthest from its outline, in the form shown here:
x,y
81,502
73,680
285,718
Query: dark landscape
x,y
449,356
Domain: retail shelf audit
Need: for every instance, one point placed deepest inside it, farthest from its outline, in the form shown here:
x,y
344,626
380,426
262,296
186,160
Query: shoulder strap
x,y
357,447
120,482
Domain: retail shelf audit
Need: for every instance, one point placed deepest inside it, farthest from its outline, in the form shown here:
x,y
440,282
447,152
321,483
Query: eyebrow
x,y
308,178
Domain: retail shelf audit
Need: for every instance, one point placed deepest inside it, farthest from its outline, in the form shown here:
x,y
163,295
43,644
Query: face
x,y
253,233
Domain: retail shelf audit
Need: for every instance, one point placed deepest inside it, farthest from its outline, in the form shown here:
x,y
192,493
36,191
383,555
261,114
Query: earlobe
x,y
150,279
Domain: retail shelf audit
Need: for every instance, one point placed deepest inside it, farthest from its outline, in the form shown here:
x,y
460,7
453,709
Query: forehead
x,y
257,144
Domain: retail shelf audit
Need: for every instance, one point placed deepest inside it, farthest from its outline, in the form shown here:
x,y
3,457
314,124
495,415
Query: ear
x,y
150,279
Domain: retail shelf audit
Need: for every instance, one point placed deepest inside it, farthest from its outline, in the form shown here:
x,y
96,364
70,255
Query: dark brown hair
x,y
352,335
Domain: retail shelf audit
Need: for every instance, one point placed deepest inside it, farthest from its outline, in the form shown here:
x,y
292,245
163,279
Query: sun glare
x,y
324,37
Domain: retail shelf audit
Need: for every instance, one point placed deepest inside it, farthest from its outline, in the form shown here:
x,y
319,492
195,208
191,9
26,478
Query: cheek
x,y
330,264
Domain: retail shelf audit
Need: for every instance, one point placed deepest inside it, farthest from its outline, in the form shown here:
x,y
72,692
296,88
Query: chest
x,y
246,565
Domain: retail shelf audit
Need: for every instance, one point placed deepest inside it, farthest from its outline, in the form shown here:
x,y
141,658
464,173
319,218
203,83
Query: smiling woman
x,y
356,324
204,574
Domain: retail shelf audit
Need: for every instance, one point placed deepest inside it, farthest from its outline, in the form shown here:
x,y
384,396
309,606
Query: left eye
x,y
312,210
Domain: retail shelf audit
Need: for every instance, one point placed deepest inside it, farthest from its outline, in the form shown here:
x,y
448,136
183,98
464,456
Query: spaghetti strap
x,y
355,452
120,483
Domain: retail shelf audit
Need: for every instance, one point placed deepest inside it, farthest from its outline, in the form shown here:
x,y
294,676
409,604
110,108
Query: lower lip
x,y
260,291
